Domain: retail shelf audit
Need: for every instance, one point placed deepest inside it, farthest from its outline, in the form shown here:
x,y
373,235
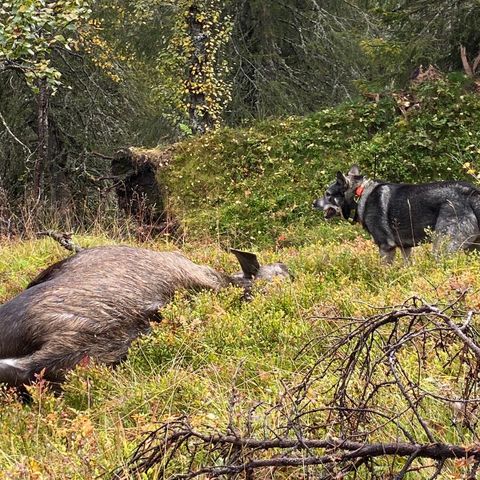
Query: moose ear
x,y
354,171
248,261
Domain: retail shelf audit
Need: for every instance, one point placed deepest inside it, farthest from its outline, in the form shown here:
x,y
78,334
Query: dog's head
x,y
339,198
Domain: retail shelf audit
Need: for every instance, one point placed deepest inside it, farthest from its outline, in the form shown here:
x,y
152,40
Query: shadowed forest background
x,y
79,80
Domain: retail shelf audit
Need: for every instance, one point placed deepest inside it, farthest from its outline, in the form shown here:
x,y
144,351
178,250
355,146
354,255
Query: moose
x,y
92,305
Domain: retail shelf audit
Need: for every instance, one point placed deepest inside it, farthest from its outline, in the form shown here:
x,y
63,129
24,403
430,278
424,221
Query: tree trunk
x,y
59,184
247,26
200,118
42,136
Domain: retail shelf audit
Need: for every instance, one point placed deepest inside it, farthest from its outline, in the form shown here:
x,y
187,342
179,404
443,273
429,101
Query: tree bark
x,y
57,181
200,118
41,162
246,25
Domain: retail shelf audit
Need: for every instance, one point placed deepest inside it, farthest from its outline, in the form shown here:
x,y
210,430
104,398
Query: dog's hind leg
x,y
455,233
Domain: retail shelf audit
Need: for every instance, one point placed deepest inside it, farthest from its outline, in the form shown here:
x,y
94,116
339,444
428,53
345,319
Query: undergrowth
x,y
243,188
208,343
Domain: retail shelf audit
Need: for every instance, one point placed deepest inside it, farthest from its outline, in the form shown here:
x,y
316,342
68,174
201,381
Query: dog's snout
x,y
318,204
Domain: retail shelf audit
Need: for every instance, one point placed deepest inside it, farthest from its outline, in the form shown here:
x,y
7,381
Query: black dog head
x,y
339,198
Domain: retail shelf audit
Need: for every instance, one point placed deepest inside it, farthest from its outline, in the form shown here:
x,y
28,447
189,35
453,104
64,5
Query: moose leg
x,y
50,362
12,372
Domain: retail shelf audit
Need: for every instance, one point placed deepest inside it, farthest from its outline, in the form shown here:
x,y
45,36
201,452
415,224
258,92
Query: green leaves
x,y
431,142
31,29
254,184
192,71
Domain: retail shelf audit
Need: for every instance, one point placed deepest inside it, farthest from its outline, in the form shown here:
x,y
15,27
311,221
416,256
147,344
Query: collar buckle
x,y
359,191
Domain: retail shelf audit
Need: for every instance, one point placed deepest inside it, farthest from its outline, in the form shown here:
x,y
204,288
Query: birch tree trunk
x,y
199,116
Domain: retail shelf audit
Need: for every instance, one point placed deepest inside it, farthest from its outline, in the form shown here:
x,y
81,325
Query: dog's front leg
x,y
387,254
406,252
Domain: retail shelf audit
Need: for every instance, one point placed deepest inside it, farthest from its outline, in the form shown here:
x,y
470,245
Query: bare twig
x,y
340,451
369,359
102,156
8,129
64,239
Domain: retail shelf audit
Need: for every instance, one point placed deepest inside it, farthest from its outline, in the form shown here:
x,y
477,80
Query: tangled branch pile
x,y
368,407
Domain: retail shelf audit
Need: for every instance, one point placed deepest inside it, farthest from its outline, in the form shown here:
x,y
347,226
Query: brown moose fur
x,y
91,306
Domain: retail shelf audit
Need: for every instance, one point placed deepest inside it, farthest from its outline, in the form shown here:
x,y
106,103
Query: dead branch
x,y
466,65
8,129
102,156
476,63
383,356
157,449
64,239
470,70
459,331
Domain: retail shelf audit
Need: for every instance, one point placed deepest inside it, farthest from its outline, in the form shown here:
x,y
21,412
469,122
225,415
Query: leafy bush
x,y
432,142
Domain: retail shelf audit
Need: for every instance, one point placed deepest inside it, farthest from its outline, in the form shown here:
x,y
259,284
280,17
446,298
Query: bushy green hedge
x,y
254,185
432,143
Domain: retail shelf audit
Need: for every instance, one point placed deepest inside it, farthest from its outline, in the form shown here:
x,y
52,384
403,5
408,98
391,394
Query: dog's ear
x,y
342,179
248,261
354,176
354,171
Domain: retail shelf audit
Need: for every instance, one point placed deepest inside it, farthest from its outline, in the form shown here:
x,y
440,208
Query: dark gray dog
x,y
401,215
92,305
